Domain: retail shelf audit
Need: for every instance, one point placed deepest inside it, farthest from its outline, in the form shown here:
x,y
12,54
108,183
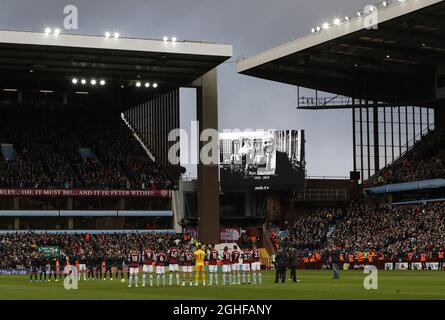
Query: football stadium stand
x,y
58,144
16,249
48,141
426,160
372,64
84,122
391,232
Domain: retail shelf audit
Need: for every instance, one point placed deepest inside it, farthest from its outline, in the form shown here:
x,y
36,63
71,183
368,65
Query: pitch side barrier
x,y
85,213
406,186
417,201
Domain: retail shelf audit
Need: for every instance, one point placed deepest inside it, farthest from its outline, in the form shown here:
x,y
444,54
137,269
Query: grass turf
x,y
314,284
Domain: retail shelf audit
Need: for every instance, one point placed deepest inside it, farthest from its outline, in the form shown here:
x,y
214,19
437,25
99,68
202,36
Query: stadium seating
x,y
16,248
393,230
309,232
50,142
426,160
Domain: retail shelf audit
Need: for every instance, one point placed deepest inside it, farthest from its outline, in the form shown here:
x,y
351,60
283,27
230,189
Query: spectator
x,y
48,141
17,248
426,160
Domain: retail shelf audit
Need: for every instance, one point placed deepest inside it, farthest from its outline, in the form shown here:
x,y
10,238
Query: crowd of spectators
x,y
119,153
426,160
393,230
310,231
16,249
48,140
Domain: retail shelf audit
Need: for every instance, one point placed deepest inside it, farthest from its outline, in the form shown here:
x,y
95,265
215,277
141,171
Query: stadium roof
x,y
45,58
395,63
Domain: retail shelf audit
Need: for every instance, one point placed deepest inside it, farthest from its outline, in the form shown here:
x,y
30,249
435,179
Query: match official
x,y
293,261
334,256
281,262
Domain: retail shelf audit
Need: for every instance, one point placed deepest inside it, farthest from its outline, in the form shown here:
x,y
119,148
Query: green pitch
x,y
314,285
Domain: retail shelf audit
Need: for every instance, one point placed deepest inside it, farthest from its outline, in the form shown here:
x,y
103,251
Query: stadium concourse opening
x,y
84,123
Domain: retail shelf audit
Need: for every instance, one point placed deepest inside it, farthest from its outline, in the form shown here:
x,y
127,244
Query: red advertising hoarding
x,y
84,193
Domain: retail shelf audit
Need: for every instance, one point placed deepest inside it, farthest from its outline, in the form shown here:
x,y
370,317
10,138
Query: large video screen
x,y
262,160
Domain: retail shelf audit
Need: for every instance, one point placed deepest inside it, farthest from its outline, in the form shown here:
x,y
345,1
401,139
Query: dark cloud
x,y
248,25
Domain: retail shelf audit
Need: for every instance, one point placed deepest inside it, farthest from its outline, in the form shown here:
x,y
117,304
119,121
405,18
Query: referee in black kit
x,y
281,262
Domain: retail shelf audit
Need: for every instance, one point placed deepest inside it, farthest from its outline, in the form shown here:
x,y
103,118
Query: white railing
x,y
150,155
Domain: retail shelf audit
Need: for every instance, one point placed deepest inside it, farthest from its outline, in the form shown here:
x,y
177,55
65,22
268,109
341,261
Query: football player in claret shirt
x,y
187,266
247,255
199,266
226,262
148,266
213,265
173,265
161,260
134,260
236,255
256,265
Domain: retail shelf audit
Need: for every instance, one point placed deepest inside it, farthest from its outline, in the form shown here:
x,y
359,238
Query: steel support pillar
x,y
208,175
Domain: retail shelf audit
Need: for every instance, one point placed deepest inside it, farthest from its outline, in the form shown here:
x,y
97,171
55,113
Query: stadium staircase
x,y
87,153
136,134
8,152
331,230
84,152
267,242
410,145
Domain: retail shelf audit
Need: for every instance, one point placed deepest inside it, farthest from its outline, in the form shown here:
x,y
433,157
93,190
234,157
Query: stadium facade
x,y
385,64
84,126
136,80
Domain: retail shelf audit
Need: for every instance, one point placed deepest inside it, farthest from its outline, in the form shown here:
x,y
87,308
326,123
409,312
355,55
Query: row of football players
x,y
232,267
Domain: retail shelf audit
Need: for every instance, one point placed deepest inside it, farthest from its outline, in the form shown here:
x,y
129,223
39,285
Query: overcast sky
x,y
248,25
